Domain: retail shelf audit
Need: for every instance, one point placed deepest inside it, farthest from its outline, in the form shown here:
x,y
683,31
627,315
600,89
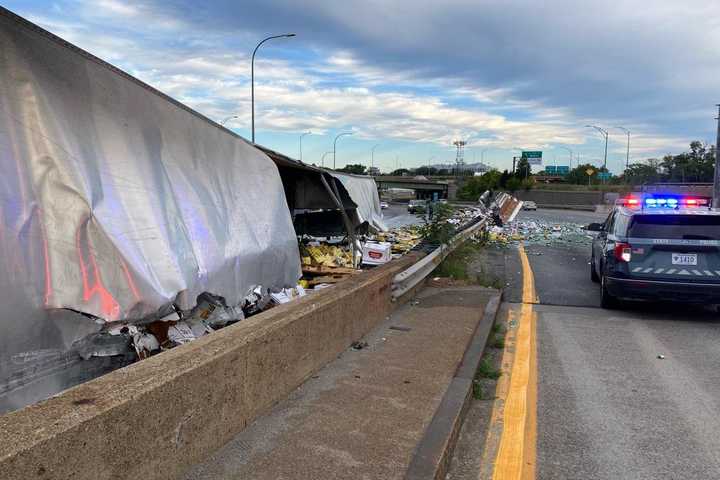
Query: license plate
x,y
684,258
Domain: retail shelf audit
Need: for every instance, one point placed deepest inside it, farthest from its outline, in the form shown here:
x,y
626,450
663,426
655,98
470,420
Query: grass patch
x,y
498,328
477,390
498,341
487,370
456,264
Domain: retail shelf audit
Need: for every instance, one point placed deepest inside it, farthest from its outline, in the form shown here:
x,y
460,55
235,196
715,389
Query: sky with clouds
x,y
411,76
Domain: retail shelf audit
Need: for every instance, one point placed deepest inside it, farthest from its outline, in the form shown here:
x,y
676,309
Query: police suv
x,y
658,247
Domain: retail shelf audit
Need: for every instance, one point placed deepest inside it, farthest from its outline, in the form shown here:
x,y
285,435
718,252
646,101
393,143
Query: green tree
x,y
640,173
400,172
476,186
513,184
696,165
504,177
355,168
426,171
523,168
579,176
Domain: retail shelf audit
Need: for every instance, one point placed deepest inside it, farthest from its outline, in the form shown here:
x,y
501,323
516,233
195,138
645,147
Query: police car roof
x,y
630,211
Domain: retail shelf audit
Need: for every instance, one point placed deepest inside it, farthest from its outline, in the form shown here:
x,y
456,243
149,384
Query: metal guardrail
x,y
408,279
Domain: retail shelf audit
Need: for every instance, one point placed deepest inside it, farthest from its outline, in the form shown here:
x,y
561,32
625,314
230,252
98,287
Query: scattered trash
x,y
359,345
539,233
287,294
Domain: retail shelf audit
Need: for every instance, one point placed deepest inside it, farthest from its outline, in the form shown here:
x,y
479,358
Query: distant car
x,y
529,206
384,205
416,206
658,248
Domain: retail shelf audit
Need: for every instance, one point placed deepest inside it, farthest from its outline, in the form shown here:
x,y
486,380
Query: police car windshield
x,y
675,227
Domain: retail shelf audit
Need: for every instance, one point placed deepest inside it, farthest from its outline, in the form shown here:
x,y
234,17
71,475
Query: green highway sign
x,y
531,154
557,170
604,175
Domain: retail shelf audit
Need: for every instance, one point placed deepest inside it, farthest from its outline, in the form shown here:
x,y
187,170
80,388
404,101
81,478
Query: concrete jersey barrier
x,y
157,417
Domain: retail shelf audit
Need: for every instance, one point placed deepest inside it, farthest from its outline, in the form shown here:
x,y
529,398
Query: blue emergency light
x,y
664,201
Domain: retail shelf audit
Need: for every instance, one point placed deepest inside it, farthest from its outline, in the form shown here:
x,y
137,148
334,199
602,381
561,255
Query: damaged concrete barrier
x,y
157,417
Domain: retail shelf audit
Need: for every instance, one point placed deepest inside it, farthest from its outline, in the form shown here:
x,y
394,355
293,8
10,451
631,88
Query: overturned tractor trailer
x,y
118,206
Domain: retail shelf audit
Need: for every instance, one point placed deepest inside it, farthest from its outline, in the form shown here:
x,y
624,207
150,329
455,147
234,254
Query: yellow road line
x,y
516,455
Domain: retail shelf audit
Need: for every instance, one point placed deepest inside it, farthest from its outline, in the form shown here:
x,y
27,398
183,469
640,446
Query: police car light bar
x,y
663,202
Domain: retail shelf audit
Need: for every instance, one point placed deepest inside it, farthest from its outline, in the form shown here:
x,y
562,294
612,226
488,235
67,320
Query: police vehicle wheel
x,y
606,300
593,274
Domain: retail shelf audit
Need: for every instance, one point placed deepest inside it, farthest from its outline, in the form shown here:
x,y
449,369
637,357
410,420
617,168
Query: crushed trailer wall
x,y
117,201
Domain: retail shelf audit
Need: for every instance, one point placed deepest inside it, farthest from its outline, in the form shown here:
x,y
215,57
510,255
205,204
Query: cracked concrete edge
x,y
433,453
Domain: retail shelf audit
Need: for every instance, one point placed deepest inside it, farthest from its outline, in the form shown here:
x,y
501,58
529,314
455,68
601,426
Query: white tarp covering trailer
x,y
363,191
116,202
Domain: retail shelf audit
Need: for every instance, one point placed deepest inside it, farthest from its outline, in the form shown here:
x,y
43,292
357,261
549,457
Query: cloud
x,y
496,73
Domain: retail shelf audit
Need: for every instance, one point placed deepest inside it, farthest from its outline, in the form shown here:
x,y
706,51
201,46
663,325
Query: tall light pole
x,y
716,183
322,160
482,155
335,145
372,155
306,133
252,77
627,158
605,134
227,119
571,154
428,164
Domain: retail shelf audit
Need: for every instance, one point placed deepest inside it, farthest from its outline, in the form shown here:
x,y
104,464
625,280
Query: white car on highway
x,y
384,205
529,205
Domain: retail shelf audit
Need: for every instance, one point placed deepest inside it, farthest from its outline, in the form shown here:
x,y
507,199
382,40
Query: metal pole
x,y
372,155
322,160
605,134
605,159
306,133
252,77
627,157
335,145
570,152
716,183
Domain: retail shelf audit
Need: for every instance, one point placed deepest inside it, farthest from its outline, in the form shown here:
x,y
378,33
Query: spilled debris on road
x,y
539,233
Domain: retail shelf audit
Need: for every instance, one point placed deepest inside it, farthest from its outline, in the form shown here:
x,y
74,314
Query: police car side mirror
x,y
594,227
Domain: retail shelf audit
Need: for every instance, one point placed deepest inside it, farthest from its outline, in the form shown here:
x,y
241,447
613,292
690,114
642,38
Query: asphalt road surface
x,y
396,215
625,394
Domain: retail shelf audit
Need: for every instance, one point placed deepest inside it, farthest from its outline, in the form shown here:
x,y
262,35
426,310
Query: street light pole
x,y
604,133
225,120
322,160
372,155
482,155
428,163
716,183
335,145
571,154
301,136
252,77
627,158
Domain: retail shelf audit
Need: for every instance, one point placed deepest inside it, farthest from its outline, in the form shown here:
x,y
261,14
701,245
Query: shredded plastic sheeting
x,y
363,191
117,201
